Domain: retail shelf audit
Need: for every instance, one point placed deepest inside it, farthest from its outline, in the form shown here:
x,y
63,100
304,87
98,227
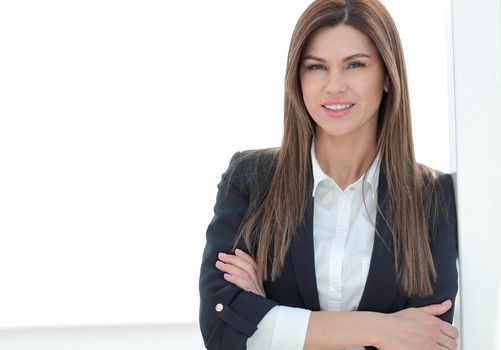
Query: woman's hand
x,y
241,270
418,329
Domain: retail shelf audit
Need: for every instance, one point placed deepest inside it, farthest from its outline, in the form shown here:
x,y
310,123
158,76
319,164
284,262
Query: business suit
x,y
229,315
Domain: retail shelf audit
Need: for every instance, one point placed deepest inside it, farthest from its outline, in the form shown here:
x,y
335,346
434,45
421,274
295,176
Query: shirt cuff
x,y
290,330
283,327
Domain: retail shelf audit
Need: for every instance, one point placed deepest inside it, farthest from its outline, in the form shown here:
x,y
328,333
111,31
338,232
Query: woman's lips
x,y
338,113
336,102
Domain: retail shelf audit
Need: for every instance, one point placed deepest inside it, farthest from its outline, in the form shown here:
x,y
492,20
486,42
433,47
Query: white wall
x,y
476,35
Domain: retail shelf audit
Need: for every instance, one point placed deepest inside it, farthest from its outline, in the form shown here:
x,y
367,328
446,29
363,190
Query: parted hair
x,y
273,216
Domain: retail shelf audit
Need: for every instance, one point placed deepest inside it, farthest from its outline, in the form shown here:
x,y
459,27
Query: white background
x,y
117,119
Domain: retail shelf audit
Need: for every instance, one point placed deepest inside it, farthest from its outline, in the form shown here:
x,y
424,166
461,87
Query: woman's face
x,y
332,78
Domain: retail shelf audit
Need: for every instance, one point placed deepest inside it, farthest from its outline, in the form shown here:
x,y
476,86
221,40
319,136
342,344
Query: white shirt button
x,y
352,188
219,307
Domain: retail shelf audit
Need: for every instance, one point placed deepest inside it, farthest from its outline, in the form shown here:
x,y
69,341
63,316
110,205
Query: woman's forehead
x,y
340,41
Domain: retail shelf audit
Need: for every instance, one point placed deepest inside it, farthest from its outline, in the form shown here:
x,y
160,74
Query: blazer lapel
x,y
303,261
381,286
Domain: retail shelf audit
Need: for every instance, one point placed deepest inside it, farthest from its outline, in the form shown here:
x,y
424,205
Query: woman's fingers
x,y
437,309
449,330
447,342
412,328
449,333
233,270
239,281
246,257
241,270
244,283
242,263
252,263
240,278
237,261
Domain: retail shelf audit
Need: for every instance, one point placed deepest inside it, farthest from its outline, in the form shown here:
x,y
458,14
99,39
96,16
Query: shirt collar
x,y
372,177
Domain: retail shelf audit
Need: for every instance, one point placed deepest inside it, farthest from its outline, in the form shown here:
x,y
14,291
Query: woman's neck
x,y
344,160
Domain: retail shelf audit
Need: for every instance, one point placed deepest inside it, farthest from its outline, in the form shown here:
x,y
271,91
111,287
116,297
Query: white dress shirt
x,y
343,237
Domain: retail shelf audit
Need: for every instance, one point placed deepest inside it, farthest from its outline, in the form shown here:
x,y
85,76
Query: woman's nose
x,y
336,82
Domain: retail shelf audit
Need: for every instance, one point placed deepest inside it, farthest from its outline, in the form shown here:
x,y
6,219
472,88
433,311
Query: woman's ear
x,y
386,87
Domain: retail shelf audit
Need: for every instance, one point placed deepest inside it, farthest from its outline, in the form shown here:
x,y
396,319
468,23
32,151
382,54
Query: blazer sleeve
x,y
228,315
444,247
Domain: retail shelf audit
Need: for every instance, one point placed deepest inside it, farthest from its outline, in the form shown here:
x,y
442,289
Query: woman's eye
x,y
356,64
315,67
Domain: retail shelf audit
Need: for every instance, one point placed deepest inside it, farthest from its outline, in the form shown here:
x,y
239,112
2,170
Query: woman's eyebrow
x,y
360,54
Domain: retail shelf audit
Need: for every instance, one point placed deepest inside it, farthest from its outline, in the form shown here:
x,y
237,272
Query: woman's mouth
x,y
337,110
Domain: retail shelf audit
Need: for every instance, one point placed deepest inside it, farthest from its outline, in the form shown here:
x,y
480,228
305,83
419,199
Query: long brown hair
x,y
276,213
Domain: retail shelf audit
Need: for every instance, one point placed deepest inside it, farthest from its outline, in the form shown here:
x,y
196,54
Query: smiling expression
x,y
342,80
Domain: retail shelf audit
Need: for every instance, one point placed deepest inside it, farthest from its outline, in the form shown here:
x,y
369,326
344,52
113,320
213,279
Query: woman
x,y
344,241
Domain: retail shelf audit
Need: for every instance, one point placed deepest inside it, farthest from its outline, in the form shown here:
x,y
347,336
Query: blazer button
x,y
219,307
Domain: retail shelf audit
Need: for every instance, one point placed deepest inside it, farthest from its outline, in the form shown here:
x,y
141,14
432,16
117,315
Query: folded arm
x,y
228,314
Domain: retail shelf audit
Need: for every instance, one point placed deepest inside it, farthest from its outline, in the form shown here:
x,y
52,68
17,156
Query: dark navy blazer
x,y
229,315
